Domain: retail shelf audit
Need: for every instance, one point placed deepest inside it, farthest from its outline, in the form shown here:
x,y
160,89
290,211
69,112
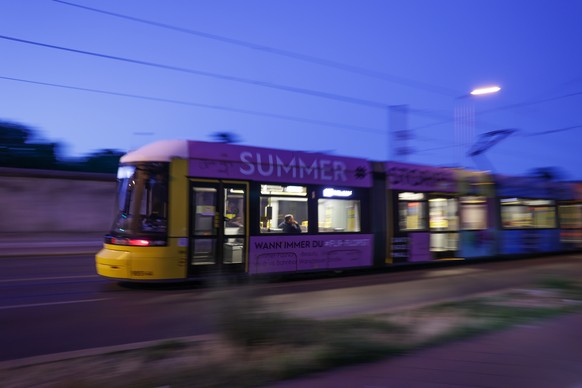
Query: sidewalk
x,y
547,354
17,245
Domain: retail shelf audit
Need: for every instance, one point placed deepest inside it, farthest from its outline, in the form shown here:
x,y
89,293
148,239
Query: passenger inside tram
x,y
289,225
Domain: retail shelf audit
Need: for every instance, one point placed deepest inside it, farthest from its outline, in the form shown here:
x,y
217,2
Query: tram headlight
x,y
134,242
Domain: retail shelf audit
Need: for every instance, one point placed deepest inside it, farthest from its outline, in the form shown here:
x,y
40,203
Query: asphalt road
x,y
52,304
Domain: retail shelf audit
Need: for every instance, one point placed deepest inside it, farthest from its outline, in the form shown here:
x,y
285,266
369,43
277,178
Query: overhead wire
x,y
256,113
201,105
268,49
506,107
346,99
293,89
332,96
528,103
518,133
276,51
553,131
368,103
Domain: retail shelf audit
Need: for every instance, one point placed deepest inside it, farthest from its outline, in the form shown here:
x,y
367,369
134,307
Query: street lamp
x,y
464,121
486,90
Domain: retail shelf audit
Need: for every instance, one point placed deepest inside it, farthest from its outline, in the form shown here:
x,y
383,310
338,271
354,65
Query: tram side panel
x,y
306,253
570,217
528,216
477,214
335,229
380,214
423,213
327,195
273,251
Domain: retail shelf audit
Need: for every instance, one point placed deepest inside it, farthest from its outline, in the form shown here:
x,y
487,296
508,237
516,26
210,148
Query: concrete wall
x,y
37,201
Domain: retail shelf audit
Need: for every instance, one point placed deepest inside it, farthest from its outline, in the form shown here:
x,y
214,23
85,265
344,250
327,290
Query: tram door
x,y
444,226
218,227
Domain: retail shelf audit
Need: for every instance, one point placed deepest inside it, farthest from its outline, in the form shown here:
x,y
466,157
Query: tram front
x,y
136,247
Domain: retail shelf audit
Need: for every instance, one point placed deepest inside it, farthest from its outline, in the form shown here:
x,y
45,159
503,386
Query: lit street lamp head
x,y
487,90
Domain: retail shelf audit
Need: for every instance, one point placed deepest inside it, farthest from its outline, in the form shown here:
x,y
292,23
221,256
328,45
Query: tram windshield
x,y
142,200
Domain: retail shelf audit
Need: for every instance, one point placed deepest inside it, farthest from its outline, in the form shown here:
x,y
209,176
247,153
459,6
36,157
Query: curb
x,y
64,356
28,249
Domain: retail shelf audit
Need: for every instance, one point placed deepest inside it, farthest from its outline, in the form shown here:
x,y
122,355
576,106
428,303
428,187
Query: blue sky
x,y
312,75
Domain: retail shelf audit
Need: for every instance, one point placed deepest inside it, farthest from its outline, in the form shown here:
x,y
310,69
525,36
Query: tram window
x,y
519,213
290,190
473,213
412,216
338,215
571,216
277,201
544,217
205,211
444,242
234,211
142,199
515,216
153,207
443,214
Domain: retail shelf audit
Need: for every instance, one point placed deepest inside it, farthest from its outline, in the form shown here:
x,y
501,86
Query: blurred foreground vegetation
x,y
258,344
19,149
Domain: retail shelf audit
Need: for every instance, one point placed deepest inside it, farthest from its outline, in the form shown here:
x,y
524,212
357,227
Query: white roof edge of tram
x,y
159,151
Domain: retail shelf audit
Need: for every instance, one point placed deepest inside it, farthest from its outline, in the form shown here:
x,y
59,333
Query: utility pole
x,y
398,133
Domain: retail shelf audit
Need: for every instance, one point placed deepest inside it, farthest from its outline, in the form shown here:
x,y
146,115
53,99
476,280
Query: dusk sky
x,y
310,75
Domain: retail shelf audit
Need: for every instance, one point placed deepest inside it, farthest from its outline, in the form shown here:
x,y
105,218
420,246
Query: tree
x,y
12,134
226,137
548,173
105,161
18,151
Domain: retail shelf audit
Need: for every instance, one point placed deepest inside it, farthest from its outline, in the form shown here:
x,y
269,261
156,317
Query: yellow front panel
x,y
142,263
178,198
113,263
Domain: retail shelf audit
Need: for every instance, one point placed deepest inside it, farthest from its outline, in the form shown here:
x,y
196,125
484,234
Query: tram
x,y
192,209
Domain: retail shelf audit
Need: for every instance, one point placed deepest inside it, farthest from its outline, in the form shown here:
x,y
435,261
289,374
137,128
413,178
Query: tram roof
x,y
166,150
159,151
219,160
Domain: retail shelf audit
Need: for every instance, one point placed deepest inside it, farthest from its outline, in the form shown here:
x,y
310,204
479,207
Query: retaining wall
x,y
38,201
